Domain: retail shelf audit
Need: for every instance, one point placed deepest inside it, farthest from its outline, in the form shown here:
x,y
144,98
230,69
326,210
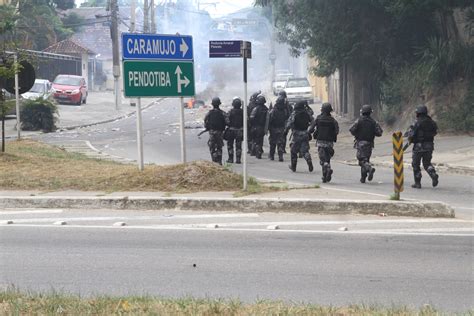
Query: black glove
x,y
310,136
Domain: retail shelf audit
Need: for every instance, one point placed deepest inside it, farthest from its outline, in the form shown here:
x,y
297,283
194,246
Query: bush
x,y
460,117
38,114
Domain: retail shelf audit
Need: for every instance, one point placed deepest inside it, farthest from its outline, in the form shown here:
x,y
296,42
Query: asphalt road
x,y
162,146
249,265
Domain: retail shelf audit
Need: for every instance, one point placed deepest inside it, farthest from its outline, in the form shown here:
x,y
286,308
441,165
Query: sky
x,y
221,7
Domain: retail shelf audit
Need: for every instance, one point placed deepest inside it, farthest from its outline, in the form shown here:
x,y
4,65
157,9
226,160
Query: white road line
x,y
464,208
327,232
124,218
431,229
354,222
31,212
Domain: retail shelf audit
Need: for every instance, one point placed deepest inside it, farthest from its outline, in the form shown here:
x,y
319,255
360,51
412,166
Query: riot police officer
x,y
214,122
325,129
365,129
289,110
259,122
422,134
251,105
299,122
234,132
278,117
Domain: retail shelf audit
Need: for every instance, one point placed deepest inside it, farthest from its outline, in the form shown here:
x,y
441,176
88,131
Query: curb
x,y
320,207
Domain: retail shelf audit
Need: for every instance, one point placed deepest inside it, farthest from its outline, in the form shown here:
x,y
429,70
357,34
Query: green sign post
x,y
150,78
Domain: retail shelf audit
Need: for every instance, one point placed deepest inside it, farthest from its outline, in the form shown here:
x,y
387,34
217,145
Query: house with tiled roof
x,y
73,48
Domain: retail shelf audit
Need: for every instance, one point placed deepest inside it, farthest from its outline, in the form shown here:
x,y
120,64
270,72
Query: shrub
x,y
38,114
460,117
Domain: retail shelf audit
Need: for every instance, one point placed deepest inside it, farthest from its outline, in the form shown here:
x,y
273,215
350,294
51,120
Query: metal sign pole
x,y
244,149
139,134
17,98
183,139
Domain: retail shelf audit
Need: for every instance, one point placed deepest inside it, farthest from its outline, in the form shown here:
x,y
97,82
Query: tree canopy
x,y
364,33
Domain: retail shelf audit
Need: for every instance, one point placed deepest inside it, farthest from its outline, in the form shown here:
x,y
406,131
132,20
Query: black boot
x,y
327,172
371,174
434,177
417,177
230,160
363,175
416,185
310,165
237,160
280,157
293,165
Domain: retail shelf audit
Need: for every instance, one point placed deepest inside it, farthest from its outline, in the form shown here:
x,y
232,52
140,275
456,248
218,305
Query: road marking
x,y
31,212
464,208
123,218
323,232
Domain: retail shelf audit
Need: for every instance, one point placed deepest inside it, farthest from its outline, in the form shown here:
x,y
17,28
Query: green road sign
x,y
158,78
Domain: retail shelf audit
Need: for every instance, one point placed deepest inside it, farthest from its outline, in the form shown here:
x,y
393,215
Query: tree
x,y
369,37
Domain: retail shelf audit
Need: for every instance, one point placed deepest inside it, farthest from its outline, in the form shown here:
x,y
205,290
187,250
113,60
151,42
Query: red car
x,y
69,89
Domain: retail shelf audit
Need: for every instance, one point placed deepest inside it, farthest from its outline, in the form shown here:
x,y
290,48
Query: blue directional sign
x,y
225,49
157,46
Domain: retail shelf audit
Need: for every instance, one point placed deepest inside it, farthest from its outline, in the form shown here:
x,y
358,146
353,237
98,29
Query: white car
x,y
279,83
41,88
298,89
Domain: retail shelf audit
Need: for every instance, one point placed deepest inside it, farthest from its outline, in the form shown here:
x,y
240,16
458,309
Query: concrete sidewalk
x,y
301,200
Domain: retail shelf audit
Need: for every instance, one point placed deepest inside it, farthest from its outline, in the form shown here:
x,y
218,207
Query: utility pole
x,y
133,6
146,15
152,16
115,51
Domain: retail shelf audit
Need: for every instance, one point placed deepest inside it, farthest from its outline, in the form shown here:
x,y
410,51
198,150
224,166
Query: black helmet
x,y
300,105
236,102
282,93
254,96
260,99
366,109
421,109
216,102
326,108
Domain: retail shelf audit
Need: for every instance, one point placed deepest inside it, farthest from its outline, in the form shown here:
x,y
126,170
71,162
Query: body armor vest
x,y
215,120
302,120
236,118
366,129
326,128
278,118
425,131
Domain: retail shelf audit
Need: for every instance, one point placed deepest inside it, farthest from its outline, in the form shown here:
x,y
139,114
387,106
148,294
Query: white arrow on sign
x,y
183,47
184,81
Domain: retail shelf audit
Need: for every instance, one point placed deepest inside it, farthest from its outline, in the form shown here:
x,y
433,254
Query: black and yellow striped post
x,y
397,140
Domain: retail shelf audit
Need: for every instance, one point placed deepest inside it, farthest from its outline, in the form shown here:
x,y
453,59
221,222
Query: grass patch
x,y
255,187
29,165
15,303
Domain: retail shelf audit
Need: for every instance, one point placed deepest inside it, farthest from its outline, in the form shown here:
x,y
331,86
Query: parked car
x,y
298,89
41,89
70,89
279,83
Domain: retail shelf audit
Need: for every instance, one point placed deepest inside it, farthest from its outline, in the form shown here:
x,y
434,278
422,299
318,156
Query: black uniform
x,y
299,122
258,120
214,122
325,129
365,129
278,117
422,134
235,133
250,107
